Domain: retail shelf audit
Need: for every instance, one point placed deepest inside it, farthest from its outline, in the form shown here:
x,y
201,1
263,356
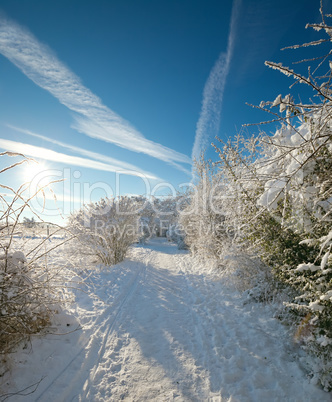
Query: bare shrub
x,y
28,294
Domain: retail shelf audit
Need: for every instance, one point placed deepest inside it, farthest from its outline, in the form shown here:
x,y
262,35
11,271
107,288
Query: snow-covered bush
x,y
274,200
157,214
26,300
176,234
201,217
147,217
108,227
166,210
213,219
298,194
27,297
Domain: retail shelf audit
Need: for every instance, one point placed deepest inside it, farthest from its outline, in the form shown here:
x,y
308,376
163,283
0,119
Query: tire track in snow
x,y
94,347
107,338
158,358
204,334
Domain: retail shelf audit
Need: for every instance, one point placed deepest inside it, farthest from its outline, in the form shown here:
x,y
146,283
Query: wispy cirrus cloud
x,y
50,155
209,120
114,163
92,117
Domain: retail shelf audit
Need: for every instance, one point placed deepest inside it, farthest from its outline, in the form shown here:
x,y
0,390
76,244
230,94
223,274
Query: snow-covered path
x,y
163,332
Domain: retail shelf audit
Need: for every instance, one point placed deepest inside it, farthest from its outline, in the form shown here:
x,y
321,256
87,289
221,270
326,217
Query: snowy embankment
x,y
158,327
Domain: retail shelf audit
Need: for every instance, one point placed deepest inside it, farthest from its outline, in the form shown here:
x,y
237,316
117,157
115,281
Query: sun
x,y
32,169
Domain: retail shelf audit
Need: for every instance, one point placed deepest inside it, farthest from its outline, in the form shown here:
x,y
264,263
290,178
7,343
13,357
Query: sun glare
x,y
32,169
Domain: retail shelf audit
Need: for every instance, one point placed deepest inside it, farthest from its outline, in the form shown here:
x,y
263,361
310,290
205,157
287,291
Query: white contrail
x,y
49,155
116,163
209,120
92,117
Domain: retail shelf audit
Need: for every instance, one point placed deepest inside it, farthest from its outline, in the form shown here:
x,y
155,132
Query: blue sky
x,y
91,88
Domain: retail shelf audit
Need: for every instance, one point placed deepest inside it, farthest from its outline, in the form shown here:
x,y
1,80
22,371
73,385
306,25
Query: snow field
x,y
160,327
